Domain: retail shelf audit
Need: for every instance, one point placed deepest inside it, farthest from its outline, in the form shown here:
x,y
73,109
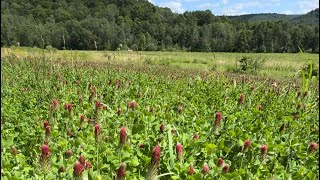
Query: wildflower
x,y
55,103
133,104
88,165
162,128
260,107
225,169
220,162
312,147
218,119
119,111
82,117
179,150
82,160
48,131
191,170
247,144
98,105
123,135
14,151
241,99
195,137
264,149
121,171
141,146
45,124
97,131
106,139
68,153
205,168
78,169
155,157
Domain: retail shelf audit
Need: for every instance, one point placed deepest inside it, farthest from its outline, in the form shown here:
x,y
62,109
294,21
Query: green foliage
x,y
250,64
103,25
29,86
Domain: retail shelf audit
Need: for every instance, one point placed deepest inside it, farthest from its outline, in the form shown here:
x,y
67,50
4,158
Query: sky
x,y
238,7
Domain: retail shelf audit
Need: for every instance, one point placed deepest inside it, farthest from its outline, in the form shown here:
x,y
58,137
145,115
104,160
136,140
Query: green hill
x,y
140,25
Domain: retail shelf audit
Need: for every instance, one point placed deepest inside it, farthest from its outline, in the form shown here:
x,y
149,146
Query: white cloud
x,y
208,5
287,12
225,1
307,5
175,6
239,8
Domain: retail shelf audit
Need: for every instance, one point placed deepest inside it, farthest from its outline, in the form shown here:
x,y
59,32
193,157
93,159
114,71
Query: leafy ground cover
x,y
63,120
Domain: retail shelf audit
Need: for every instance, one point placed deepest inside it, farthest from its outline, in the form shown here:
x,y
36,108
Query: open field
x,y
277,65
81,114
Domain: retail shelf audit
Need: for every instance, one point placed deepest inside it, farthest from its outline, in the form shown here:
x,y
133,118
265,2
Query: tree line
x,y
139,25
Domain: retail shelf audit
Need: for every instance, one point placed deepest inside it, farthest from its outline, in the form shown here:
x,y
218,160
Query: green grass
x,y
278,65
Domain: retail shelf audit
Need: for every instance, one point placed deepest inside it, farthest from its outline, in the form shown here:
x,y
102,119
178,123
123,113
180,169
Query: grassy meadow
x,y
155,115
277,65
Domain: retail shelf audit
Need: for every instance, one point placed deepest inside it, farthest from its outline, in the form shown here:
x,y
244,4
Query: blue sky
x,y
237,7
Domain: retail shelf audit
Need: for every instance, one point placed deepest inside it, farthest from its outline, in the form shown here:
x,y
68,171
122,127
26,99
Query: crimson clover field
x,y
87,120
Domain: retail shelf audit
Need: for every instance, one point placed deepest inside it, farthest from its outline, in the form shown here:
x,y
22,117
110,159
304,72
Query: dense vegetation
x,y
100,120
106,24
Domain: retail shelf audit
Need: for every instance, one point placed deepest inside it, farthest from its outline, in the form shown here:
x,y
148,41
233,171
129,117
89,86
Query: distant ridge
x,y
311,17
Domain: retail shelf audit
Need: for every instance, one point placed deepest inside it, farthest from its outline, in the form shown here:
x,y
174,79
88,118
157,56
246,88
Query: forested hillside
x,y
138,24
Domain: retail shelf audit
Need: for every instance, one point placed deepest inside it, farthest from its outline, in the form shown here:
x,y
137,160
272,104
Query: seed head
x,y
220,162
14,151
218,119
247,144
48,130
141,146
162,128
68,106
205,168
98,105
260,107
121,171
123,135
191,170
82,160
68,153
264,149
88,165
55,102
179,150
133,104
195,137
252,88
313,147
78,169
82,117
106,139
45,124
241,99
97,130
156,154
225,169
119,111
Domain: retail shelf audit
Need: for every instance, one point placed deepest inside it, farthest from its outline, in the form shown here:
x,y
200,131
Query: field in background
x,y
277,65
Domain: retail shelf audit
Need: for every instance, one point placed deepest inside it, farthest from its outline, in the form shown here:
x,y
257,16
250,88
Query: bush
x,y
250,64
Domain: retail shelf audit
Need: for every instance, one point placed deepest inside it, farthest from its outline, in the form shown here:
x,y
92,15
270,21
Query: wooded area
x,y
139,25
